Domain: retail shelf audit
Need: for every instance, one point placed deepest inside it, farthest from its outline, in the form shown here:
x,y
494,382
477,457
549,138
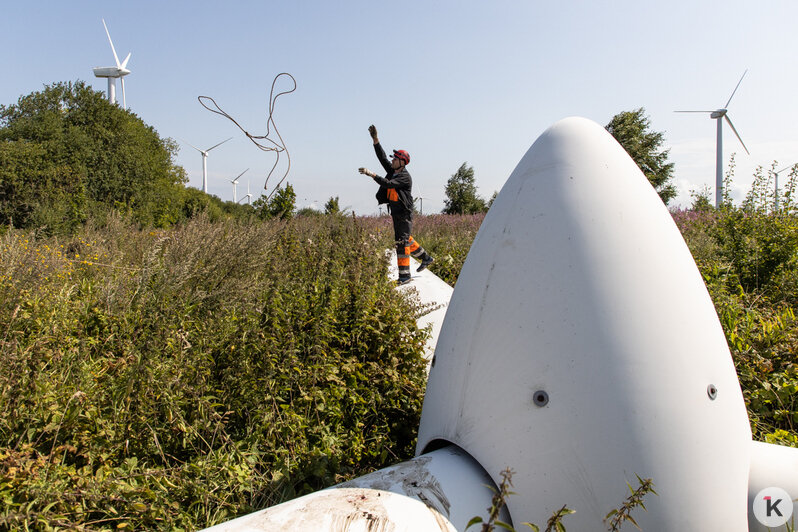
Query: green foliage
x,y
617,516
492,198
614,519
332,207
497,504
632,131
447,238
702,201
461,193
282,204
66,151
175,379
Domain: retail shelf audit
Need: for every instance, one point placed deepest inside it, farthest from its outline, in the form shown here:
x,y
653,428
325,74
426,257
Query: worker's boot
x,y
425,261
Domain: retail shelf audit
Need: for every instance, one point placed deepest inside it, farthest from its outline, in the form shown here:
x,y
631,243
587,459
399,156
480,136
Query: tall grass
x,y
173,379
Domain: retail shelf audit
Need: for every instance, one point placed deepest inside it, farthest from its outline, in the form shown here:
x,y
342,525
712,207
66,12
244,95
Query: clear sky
x,y
449,81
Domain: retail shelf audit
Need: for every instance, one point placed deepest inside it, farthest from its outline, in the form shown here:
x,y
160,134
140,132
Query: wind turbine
x,y
205,162
248,196
235,182
113,72
719,115
776,185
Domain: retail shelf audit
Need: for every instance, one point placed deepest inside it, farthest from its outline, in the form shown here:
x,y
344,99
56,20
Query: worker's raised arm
x,y
384,161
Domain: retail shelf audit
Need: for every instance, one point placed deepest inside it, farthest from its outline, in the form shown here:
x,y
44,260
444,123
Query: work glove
x,y
366,171
373,132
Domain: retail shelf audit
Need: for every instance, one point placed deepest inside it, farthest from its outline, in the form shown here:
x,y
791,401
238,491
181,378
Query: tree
x,y
461,193
281,205
492,198
632,131
332,206
66,151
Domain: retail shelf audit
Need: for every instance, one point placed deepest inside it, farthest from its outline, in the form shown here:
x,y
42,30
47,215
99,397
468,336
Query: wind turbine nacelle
x,y
718,114
110,72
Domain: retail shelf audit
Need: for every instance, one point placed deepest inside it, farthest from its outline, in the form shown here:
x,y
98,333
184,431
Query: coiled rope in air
x,y
263,142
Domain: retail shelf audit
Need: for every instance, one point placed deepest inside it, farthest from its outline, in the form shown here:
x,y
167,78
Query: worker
x,y
396,189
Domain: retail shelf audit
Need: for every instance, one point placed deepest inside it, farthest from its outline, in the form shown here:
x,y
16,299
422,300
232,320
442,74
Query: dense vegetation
x,y
172,379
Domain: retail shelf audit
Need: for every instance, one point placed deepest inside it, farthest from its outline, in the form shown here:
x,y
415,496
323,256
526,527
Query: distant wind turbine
x,y
235,182
718,115
205,162
776,185
113,72
248,196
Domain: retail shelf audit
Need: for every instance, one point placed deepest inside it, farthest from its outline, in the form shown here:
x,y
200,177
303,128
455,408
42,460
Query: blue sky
x,y
450,82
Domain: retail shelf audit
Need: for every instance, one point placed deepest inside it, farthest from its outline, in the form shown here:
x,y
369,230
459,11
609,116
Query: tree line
x,y
67,154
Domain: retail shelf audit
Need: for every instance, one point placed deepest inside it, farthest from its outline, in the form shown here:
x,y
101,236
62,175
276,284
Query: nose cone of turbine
x,y
581,348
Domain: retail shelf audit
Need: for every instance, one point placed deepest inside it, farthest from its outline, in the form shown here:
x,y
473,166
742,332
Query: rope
x,y
263,142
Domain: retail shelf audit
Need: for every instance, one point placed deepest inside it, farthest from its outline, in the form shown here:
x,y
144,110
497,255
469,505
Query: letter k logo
x,y
772,506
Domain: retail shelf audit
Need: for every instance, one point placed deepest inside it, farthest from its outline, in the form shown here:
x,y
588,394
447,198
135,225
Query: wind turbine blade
x,y
116,58
738,135
694,111
199,150
242,173
212,147
124,103
735,90
124,63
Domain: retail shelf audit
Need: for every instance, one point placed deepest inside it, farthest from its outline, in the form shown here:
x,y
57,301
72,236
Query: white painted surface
x,y
772,466
431,292
440,491
579,283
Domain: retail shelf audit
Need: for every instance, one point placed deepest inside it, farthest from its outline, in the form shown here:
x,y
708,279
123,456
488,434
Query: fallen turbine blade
x,y
737,134
116,57
735,90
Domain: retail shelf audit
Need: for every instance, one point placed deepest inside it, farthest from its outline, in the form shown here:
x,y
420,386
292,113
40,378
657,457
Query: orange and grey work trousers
x,y
405,244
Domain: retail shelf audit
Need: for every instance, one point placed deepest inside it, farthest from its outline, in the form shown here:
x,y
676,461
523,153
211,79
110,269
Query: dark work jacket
x,y
396,189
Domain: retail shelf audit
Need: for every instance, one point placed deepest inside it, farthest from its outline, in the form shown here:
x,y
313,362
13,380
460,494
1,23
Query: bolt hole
x,y
540,398
712,391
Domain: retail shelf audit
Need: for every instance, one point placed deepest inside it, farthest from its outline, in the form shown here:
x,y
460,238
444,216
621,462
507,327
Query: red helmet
x,y
402,155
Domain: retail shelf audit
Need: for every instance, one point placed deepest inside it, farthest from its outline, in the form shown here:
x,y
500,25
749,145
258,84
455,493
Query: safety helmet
x,y
402,155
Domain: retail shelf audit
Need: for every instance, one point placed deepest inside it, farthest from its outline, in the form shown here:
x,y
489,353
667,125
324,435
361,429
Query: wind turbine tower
x,y
235,182
205,163
719,115
113,72
249,196
776,186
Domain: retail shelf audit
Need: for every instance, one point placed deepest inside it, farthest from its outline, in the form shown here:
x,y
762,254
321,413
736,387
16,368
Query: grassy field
x,y
172,379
